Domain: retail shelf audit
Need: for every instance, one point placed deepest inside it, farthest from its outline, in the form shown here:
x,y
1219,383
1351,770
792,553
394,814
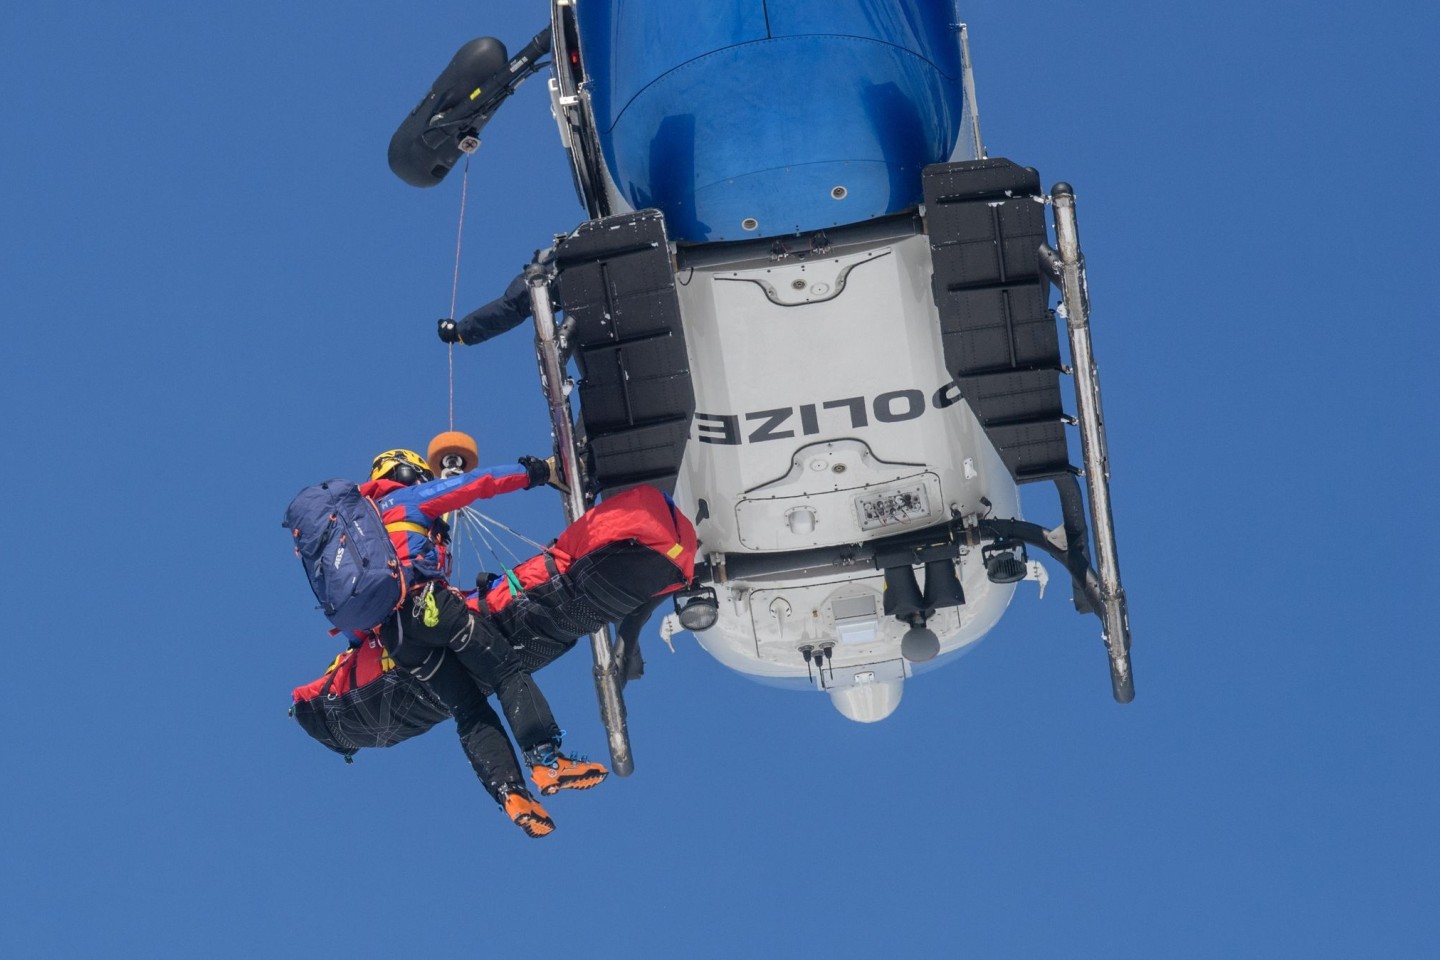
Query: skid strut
x,y
555,386
1070,264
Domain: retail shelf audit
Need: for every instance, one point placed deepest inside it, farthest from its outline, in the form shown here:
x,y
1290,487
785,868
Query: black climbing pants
x,y
461,656
601,587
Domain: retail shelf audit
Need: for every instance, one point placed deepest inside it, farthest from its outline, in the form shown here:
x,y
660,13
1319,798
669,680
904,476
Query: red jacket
x,y
642,514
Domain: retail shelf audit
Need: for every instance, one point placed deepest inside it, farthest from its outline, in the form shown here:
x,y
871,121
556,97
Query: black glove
x,y
541,264
449,331
540,471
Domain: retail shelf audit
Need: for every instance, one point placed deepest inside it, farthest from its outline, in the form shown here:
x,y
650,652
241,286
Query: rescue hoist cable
x,y
455,279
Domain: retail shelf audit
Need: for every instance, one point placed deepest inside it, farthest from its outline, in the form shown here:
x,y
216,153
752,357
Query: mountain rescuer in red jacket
x,y
458,652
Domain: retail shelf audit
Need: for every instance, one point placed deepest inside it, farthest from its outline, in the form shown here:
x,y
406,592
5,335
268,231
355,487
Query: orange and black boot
x,y
525,812
552,772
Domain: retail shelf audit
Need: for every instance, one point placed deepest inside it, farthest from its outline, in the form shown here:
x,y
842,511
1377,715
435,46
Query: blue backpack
x,y
347,553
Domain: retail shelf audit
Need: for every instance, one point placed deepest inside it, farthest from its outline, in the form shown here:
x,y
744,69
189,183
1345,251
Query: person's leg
x,y
604,585
438,619
481,735
600,587
419,638
488,656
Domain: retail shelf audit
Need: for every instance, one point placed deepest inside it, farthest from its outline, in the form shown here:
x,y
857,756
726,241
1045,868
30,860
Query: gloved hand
x,y
557,475
449,330
540,471
539,264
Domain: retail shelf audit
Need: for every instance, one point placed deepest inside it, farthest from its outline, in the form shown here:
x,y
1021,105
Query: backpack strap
x,y
329,682
353,655
352,660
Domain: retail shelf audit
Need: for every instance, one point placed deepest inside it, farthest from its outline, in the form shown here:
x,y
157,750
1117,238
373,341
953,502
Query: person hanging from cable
x,y
459,652
505,312
614,564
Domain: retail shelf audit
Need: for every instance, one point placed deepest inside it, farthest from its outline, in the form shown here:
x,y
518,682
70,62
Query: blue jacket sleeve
x,y
505,313
438,497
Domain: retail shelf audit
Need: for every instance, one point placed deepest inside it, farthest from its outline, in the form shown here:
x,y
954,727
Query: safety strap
x,y
408,526
348,658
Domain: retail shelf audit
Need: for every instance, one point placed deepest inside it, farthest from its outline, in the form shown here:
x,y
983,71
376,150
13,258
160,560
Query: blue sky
x,y
199,223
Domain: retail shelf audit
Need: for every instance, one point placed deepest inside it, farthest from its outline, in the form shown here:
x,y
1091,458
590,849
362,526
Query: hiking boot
x,y
525,812
563,773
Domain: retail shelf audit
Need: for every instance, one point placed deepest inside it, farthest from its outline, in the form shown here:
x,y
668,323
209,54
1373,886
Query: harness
x,y
409,526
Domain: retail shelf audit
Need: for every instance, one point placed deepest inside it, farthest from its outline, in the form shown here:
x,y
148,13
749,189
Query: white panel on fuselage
x,y
836,393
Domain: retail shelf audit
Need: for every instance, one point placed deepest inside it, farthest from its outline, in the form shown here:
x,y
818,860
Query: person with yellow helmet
x,y
456,650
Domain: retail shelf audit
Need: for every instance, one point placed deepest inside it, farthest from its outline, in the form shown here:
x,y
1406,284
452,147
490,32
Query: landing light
x,y
697,609
1005,561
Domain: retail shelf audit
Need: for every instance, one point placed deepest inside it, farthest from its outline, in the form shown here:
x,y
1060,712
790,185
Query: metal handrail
x,y
556,387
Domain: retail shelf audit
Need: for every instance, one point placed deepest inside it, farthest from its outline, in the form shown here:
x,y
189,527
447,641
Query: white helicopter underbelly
x,y
824,416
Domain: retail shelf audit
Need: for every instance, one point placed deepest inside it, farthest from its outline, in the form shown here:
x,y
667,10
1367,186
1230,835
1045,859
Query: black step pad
x,y
635,383
617,284
986,222
645,453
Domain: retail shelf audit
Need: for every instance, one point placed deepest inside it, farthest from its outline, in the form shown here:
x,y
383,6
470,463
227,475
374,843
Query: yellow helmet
x,y
402,466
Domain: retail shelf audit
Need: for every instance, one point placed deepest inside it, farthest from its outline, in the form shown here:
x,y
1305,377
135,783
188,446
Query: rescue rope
x,y
482,535
476,538
477,528
455,279
484,520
